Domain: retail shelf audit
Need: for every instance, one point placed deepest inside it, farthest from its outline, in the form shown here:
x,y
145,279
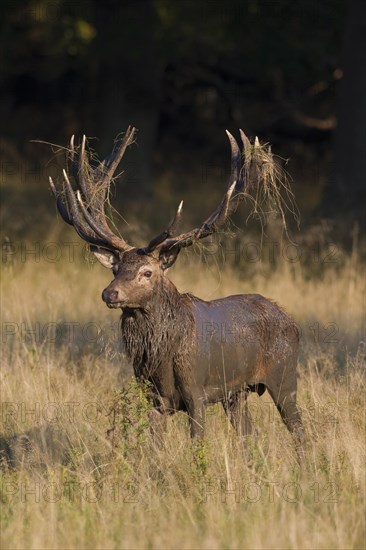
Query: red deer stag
x,y
191,352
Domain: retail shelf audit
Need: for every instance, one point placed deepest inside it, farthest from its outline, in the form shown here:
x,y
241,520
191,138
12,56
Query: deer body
x,y
192,352
195,352
242,340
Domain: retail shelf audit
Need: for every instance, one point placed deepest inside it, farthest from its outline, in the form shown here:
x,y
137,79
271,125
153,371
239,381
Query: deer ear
x,y
106,257
167,257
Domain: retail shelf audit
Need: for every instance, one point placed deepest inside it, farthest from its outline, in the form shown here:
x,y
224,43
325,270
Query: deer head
x,y
138,271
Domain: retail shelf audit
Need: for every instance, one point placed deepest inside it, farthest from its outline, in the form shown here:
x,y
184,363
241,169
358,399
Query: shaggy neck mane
x,y
156,337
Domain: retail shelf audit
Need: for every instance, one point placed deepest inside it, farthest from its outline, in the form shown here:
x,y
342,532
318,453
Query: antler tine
x,y
83,169
246,143
219,216
78,166
73,163
72,147
115,158
235,159
168,232
60,205
176,220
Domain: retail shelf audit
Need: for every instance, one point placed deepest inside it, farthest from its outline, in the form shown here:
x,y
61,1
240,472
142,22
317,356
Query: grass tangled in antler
x,y
99,185
94,173
268,187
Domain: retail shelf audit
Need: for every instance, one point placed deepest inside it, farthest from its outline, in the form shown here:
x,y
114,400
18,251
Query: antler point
x,y
79,198
52,185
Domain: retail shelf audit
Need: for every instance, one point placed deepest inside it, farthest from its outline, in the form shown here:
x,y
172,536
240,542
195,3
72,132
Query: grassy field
x,y
65,483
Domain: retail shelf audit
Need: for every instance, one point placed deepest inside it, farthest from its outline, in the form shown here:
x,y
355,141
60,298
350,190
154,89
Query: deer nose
x,y
109,295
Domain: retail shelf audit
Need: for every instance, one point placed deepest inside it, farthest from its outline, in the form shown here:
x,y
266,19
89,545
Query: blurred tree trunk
x,y
347,191
128,83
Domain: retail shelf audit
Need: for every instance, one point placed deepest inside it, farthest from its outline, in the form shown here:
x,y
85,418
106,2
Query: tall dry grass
x,y
63,483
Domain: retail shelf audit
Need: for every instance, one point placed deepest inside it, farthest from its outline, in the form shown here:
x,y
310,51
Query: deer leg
x,y
236,407
196,413
158,425
285,402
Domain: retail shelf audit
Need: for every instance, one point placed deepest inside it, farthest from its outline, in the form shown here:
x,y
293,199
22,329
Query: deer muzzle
x,y
113,298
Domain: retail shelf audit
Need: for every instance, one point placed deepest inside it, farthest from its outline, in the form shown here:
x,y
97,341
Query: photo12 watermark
x,y
72,491
252,492
225,250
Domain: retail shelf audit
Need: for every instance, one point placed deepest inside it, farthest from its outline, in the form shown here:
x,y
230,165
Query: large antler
x,y
84,208
244,177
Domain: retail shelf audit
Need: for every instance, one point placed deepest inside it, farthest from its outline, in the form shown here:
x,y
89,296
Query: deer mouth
x,y
126,308
115,305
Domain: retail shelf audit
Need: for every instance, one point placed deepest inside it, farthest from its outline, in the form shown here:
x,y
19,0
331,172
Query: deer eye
x,y
147,274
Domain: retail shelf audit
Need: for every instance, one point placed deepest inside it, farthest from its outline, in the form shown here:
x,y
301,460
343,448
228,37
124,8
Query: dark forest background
x,y
182,71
